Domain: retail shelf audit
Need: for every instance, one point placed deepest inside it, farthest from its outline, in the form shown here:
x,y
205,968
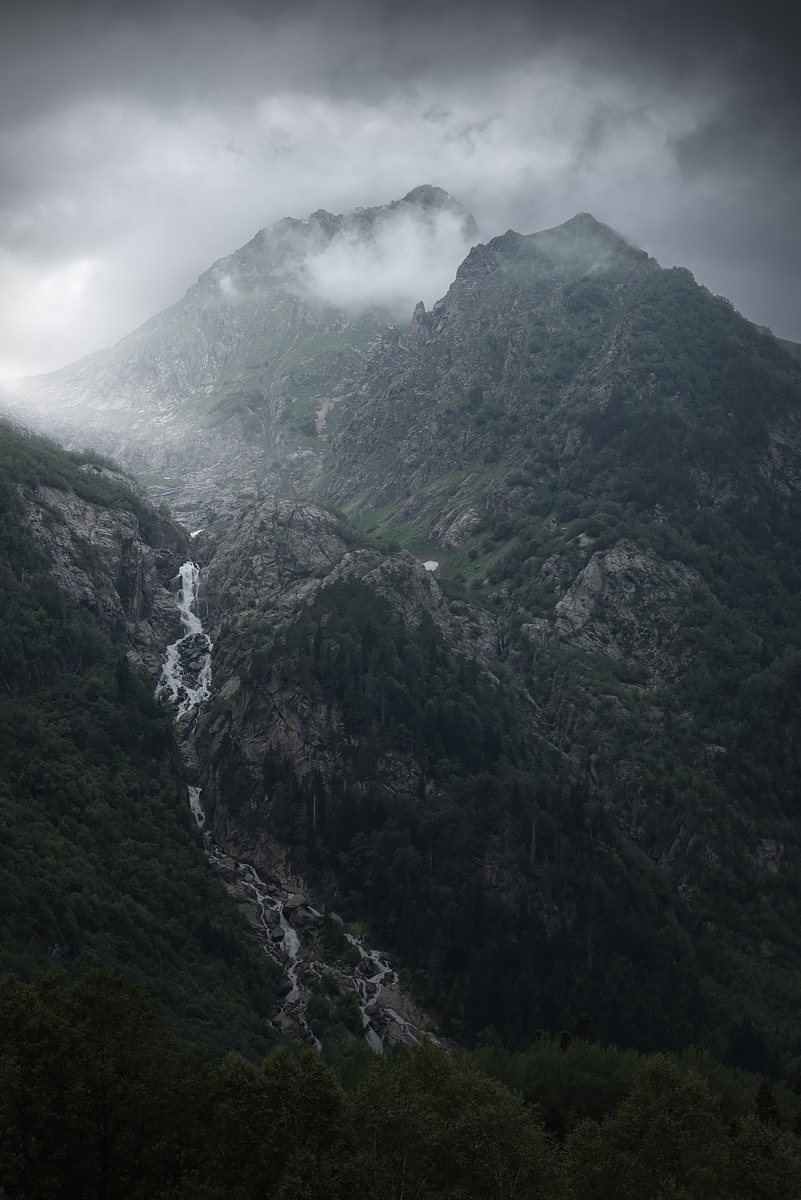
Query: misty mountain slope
x,y
100,861
635,534
503,380
222,397
448,394
561,776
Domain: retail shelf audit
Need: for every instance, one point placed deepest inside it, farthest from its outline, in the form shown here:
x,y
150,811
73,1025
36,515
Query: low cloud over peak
x,y
139,143
393,255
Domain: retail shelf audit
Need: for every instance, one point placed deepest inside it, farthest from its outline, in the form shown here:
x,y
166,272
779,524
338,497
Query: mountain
x,y
505,655
221,399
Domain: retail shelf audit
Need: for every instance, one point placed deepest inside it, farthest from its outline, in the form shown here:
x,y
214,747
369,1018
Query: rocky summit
x,y
483,707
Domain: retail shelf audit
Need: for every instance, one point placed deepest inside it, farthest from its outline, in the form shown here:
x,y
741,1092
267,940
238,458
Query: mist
x,y
408,259
139,144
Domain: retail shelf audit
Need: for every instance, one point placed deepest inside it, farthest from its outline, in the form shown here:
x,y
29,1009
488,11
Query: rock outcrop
x,y
627,602
259,576
116,565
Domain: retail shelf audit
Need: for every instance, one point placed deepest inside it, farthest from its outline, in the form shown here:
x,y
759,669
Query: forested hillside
x,y
95,1101
101,863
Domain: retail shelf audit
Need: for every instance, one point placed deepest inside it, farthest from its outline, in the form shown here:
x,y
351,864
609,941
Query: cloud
x,y
139,143
407,259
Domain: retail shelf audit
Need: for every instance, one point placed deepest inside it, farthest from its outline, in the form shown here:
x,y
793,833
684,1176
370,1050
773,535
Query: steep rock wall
x,y
116,565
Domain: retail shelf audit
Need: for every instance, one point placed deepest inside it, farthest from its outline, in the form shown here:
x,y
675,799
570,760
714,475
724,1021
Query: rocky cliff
x,y
471,376
114,564
277,561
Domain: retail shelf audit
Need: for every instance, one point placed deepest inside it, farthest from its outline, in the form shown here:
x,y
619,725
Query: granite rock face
x,y
627,602
259,576
269,554
116,565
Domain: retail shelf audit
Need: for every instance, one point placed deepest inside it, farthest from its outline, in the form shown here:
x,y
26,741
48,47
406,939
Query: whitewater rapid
x,y
186,675
303,968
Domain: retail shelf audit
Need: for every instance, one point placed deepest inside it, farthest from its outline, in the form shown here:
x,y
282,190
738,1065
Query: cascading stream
x,y
374,972
290,952
185,683
186,674
195,805
302,968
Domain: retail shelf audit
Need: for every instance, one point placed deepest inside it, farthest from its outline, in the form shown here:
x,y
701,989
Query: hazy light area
x,y
408,260
140,143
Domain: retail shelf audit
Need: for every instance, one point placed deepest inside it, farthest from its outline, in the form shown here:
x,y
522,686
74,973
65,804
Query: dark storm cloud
x,y
140,141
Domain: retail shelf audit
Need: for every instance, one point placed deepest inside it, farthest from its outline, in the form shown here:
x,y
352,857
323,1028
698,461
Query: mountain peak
x,y
426,202
583,245
427,195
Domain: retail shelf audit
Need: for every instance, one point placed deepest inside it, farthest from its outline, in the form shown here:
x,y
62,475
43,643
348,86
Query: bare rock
x,y
626,601
115,565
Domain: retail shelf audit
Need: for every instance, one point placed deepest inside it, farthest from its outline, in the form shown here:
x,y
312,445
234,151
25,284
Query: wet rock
x,y
402,1003
393,1037
303,919
277,935
288,1026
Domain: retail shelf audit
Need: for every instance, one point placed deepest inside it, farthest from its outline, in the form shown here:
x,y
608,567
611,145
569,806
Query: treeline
x,y
96,1100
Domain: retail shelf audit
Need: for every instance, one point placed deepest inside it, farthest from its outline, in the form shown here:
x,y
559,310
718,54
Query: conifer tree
x,y
766,1104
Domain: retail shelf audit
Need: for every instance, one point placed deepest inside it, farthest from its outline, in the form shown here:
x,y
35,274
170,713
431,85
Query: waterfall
x,y
196,807
186,675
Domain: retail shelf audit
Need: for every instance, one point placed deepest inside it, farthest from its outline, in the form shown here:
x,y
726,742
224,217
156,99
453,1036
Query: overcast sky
x,y
139,142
